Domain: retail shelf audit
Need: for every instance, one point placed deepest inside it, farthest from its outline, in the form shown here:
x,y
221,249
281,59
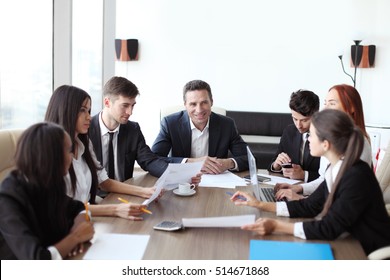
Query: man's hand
x,y
281,159
296,172
213,165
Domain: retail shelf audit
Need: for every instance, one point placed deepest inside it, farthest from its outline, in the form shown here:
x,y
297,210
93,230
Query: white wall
x,y
253,53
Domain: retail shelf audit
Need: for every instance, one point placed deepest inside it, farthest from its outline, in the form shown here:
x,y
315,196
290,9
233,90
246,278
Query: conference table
x,y
201,243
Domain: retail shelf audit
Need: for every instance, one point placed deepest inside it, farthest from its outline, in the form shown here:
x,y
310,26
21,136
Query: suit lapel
x,y
120,149
297,144
185,134
96,135
214,135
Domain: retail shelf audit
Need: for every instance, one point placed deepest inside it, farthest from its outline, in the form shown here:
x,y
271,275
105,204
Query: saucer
x,y
191,192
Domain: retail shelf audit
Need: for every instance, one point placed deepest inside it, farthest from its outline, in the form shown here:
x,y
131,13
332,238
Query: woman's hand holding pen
x,y
250,200
82,232
129,211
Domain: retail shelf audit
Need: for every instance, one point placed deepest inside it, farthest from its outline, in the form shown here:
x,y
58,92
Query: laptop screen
x,y
253,173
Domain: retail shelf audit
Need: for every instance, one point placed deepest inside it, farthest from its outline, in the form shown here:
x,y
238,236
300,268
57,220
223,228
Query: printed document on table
x,y
174,174
224,180
110,246
278,179
227,221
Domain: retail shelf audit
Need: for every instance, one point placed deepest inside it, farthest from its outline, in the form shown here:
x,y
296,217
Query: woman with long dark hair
x,y
349,200
70,107
37,219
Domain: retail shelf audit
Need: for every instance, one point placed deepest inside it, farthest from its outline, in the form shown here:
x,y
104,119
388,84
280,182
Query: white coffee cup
x,y
186,188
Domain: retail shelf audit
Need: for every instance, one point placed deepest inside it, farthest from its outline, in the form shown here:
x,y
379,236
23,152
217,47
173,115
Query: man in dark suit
x,y
128,142
200,134
293,147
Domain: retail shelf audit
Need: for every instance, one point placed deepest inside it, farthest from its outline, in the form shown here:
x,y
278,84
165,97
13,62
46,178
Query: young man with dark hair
x,y
128,142
293,157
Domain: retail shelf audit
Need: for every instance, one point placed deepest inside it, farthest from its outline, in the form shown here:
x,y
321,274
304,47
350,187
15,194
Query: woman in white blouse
x,y
348,200
70,107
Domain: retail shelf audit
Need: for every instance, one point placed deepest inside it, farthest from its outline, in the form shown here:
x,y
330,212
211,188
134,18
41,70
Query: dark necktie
x,y
306,151
111,166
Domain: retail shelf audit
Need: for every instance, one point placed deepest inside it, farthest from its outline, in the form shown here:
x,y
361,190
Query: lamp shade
x,y
364,56
126,50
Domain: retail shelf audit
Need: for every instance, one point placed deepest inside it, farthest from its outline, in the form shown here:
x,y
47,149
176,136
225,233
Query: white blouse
x,y
310,187
83,174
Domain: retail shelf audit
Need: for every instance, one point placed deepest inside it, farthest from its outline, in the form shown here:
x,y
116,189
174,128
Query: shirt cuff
x,y
298,230
281,209
184,160
273,170
55,255
235,165
306,176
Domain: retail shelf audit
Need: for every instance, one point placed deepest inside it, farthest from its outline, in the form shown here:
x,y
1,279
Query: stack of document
x,y
278,179
218,222
224,180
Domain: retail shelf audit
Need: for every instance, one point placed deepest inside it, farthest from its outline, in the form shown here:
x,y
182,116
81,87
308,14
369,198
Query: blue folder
x,y
283,250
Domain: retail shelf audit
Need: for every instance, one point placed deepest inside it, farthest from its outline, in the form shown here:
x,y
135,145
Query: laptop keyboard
x,y
269,194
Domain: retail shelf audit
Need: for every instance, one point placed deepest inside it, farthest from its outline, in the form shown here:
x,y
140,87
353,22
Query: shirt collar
x,y
331,174
103,129
193,126
80,148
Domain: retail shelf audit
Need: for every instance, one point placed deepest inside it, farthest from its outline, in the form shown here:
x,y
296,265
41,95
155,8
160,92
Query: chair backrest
x,y
8,141
165,111
383,175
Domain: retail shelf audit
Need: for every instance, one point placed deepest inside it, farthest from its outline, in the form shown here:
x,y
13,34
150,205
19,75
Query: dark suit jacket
x,y
24,233
358,208
131,147
175,137
291,143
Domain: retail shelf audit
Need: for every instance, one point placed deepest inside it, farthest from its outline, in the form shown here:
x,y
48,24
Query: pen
x,y
142,209
239,197
86,211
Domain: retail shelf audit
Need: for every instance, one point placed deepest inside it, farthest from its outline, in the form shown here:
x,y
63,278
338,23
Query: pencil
x,y
122,200
142,209
146,211
86,211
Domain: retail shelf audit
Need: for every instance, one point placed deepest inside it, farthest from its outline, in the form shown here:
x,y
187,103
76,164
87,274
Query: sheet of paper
x,y
181,173
224,180
174,174
110,246
227,221
278,179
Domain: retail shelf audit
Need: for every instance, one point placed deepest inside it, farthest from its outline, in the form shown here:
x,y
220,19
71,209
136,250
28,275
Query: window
x,y
87,49
25,61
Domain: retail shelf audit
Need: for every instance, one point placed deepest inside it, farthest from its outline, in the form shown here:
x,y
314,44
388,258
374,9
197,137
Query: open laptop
x,y
261,193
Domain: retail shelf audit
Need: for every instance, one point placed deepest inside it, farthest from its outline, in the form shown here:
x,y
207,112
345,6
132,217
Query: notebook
x,y
261,193
285,250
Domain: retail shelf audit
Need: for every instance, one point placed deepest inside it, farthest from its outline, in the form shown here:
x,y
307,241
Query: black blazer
x,y
24,233
358,208
291,143
131,147
175,137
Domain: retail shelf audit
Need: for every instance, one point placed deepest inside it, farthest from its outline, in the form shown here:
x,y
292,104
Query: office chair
x,y
380,254
8,142
383,176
